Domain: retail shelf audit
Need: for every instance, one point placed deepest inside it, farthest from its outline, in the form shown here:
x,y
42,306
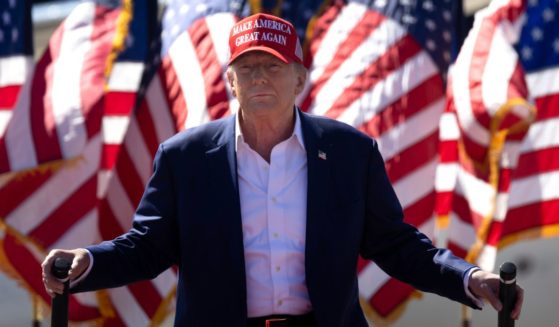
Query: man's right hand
x,y
80,262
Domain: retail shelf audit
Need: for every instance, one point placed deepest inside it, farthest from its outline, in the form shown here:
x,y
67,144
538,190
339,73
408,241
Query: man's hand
x,y
80,262
485,285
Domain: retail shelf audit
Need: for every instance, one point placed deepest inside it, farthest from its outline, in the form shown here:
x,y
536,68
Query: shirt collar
x,y
297,131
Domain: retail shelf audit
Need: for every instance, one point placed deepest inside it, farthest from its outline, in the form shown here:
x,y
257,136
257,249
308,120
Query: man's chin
x,y
262,104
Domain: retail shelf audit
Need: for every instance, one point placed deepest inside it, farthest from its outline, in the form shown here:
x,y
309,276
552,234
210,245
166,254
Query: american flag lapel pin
x,y
322,154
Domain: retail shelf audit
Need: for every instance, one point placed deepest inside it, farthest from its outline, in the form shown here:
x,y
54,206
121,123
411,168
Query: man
x,y
266,212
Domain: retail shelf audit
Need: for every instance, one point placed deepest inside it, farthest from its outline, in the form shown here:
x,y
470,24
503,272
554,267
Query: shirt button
x,y
276,235
278,268
274,200
280,302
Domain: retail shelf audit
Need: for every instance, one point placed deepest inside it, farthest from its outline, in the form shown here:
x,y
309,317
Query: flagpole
x,y
36,313
466,316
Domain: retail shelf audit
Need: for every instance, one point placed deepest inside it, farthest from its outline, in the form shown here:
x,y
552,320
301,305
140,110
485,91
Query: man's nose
x,y
258,74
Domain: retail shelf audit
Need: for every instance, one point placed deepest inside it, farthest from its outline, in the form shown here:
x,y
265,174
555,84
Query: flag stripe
x,y
47,199
408,132
126,304
533,163
109,226
458,250
45,140
139,154
9,96
157,106
516,217
129,178
148,129
114,127
448,152
93,81
146,290
121,102
217,100
120,205
403,49
4,164
110,154
184,57
543,83
388,297
370,278
461,210
416,184
536,188
462,234
422,95
15,71
413,157
355,64
173,91
60,221
389,90
362,32
19,146
18,189
84,231
419,212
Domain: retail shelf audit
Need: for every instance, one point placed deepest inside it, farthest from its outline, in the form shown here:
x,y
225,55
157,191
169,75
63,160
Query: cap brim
x,y
269,50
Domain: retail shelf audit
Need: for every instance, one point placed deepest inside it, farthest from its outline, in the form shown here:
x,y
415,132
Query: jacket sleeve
x,y
399,248
149,247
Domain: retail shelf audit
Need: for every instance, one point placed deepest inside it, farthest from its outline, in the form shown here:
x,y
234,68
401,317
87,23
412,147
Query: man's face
x,y
263,84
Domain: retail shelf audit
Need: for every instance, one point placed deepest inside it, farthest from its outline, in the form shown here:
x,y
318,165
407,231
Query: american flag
x,y
16,63
149,117
534,190
194,59
39,212
59,111
130,139
38,209
498,176
72,206
485,120
379,66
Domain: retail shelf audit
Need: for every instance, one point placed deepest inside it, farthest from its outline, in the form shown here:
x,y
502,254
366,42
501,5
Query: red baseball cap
x,y
263,32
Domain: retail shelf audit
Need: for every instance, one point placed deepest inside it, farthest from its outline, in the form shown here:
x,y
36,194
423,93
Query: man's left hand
x,y
485,285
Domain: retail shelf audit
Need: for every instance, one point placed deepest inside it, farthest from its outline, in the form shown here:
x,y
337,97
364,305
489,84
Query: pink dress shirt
x,y
273,200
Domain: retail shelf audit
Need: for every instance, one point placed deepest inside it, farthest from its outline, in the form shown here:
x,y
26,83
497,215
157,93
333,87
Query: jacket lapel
x,y
223,161
318,186
222,167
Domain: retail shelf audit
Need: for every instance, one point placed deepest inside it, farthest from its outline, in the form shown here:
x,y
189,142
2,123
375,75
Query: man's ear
x,y
301,79
230,79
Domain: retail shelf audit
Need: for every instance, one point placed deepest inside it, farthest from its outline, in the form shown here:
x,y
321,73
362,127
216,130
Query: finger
x,y
58,289
50,292
47,288
77,267
53,286
47,263
515,314
490,296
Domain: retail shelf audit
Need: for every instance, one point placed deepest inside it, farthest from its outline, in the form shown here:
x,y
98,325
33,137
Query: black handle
x,y
59,316
507,293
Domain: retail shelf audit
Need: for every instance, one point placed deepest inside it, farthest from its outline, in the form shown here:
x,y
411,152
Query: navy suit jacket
x,y
189,216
